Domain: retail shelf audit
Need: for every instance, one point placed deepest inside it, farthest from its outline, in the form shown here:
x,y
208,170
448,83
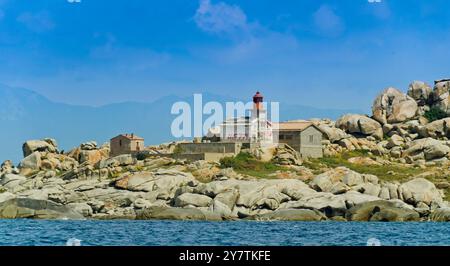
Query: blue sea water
x,y
156,233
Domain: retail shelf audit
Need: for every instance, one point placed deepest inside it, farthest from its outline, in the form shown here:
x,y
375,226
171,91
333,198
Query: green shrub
x,y
240,161
435,113
246,163
141,156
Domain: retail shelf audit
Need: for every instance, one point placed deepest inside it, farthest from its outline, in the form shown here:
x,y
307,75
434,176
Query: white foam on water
x,y
73,242
373,242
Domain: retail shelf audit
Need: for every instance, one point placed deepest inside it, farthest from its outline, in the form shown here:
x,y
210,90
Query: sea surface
x,y
157,233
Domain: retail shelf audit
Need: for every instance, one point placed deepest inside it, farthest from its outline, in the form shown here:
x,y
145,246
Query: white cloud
x,y
37,22
250,41
220,18
327,21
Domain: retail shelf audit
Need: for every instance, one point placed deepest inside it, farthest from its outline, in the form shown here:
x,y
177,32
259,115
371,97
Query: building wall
x,y
245,130
210,157
307,142
137,145
213,147
122,145
189,157
291,138
119,145
311,143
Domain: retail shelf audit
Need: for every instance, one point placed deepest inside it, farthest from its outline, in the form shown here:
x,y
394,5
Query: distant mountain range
x,y
25,114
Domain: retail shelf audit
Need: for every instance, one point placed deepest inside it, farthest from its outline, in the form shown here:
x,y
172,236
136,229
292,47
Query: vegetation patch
x,y
391,172
142,156
435,113
246,164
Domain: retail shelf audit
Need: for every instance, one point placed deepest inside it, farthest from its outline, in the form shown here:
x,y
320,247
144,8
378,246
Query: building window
x,y
281,136
311,138
120,143
289,137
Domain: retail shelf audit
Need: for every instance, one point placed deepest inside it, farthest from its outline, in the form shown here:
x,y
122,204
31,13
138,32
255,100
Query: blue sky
x,y
336,54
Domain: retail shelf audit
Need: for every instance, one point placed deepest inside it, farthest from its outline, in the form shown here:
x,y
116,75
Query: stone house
x,y
126,144
303,136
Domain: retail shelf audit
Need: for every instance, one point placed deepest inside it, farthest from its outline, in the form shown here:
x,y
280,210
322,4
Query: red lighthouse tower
x,y
258,100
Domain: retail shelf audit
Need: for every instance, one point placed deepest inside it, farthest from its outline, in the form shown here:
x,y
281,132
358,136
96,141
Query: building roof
x,y
130,136
294,125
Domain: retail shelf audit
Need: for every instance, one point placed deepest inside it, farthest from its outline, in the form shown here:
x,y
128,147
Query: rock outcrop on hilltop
x,y
359,124
440,95
86,183
399,128
392,106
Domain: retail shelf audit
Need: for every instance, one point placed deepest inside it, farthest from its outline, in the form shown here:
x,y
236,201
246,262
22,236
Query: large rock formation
x,y
286,155
169,213
7,167
341,180
290,215
11,180
38,209
120,160
173,194
191,199
90,153
440,215
165,181
359,124
46,145
383,211
441,95
420,190
392,106
436,129
92,156
425,149
420,92
332,133
32,161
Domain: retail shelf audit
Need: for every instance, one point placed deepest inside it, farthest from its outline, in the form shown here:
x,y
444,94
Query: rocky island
x,y
391,166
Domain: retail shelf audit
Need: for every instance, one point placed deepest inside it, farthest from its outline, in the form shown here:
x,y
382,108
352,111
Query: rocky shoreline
x,y
164,188
85,183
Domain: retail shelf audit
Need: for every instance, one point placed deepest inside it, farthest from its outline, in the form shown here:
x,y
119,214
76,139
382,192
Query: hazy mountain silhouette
x,y
25,114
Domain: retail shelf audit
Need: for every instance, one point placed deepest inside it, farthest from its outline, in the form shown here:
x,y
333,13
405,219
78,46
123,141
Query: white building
x,y
254,129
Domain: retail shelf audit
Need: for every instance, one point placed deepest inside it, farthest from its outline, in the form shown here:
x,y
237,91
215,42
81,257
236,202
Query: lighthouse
x,y
253,129
261,134
258,111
